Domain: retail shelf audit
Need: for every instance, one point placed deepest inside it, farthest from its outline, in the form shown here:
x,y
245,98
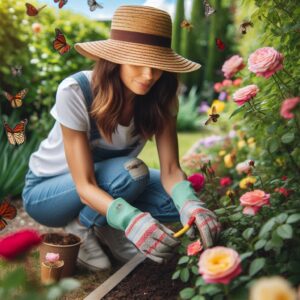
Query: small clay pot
x,y
67,252
51,273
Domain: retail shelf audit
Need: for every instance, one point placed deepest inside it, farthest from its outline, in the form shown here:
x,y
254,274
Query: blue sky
x,y
109,6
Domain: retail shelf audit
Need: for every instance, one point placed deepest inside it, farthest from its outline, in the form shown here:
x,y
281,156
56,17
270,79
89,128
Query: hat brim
x,y
122,52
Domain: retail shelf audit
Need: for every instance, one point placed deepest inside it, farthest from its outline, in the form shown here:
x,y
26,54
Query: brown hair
x,y
151,111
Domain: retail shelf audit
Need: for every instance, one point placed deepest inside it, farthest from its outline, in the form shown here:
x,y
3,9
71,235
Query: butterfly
x,y
213,117
244,25
94,5
60,43
186,24
61,3
32,10
16,136
208,9
16,70
7,211
220,44
16,101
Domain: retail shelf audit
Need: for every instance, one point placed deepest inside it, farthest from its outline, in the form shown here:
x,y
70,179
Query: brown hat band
x,y
140,38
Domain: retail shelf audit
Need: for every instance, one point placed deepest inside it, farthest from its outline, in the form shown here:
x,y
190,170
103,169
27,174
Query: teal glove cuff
x,y
120,213
181,192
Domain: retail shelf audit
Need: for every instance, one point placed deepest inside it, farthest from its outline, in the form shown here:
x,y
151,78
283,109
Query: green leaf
x,y
293,218
220,211
285,231
200,282
276,240
176,275
247,233
256,265
187,293
281,218
185,275
288,137
198,297
259,244
273,145
238,110
245,255
267,227
195,270
236,217
183,260
69,284
54,293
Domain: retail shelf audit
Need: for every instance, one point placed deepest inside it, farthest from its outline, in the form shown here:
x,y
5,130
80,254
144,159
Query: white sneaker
x,y
90,255
121,248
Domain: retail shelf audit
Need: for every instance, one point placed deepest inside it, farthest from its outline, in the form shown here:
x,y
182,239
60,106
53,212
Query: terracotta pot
x,y
51,274
67,253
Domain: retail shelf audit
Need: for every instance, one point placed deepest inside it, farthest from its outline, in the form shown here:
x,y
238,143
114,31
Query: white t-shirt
x,y
70,110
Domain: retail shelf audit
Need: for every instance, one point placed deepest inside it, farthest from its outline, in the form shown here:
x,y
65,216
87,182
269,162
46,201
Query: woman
x,y
86,173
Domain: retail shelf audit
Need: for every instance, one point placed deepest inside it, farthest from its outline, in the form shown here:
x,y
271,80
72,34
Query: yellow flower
x,y
248,180
228,161
280,162
222,153
272,288
241,144
251,140
219,105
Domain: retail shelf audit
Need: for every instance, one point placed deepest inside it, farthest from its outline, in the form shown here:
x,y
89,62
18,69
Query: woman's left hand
x,y
205,220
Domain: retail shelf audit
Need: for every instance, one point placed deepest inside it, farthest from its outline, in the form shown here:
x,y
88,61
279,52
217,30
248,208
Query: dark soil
x,y
60,239
149,281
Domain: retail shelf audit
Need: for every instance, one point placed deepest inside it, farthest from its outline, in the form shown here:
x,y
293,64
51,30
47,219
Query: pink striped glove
x,y
151,237
188,205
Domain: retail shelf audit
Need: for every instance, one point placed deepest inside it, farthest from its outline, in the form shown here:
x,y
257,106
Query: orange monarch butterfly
x,y
16,101
61,3
16,136
33,11
220,44
213,117
7,211
60,44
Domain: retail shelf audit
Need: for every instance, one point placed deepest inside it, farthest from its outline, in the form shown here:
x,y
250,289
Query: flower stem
x,y
283,97
282,82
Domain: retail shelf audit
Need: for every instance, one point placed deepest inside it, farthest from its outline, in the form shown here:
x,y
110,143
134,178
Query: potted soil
x,y
66,245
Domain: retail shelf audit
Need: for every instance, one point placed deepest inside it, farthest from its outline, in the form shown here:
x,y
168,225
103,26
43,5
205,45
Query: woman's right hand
x,y
152,238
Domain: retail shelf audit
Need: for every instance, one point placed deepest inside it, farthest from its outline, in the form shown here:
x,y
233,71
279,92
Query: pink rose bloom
x,y
237,82
287,107
36,28
197,180
245,94
52,257
253,201
232,66
225,181
219,265
194,248
218,87
227,82
243,167
265,61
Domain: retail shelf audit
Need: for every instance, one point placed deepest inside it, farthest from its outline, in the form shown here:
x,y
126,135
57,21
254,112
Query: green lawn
x,y
185,141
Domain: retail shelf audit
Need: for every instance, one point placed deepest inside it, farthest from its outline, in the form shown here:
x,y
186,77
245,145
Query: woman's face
x,y
138,79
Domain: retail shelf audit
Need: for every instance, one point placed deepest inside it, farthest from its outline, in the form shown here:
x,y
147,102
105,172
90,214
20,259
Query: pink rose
x,y
245,94
52,257
194,248
243,167
225,181
253,201
197,180
227,82
287,107
219,265
265,61
218,87
232,66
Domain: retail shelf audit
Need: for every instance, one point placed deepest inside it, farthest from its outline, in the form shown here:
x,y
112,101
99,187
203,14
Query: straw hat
x,y
140,35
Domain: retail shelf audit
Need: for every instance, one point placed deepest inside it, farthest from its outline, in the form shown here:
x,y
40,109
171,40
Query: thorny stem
x,y
283,97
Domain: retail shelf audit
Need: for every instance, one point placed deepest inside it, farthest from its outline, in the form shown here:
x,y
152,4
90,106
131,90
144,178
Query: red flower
x,y
284,178
194,248
197,180
225,181
283,191
17,243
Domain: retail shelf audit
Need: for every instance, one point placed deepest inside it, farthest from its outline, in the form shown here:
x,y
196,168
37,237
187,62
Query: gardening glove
x,y
188,205
152,238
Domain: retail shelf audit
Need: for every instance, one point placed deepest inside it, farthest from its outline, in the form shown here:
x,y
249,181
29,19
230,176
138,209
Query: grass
x,y
185,140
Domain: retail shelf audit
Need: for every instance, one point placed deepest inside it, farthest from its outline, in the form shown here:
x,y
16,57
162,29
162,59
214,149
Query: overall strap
x,y
87,93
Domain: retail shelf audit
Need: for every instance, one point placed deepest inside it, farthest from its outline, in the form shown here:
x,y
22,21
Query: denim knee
x,y
130,179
